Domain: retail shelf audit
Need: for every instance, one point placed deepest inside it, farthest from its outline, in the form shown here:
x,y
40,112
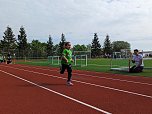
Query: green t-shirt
x,y
68,55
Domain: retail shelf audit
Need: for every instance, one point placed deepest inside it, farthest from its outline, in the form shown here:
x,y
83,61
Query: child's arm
x,y
65,59
133,61
140,62
64,56
72,60
133,58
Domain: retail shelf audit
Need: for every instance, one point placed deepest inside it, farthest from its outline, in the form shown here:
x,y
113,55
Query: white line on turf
x,y
128,81
60,94
86,83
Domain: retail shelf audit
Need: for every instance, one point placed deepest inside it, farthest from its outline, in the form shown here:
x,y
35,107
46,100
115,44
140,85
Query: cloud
x,y
121,19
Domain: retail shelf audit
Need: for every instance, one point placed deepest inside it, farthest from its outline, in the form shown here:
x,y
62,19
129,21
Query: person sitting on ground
x,y
138,60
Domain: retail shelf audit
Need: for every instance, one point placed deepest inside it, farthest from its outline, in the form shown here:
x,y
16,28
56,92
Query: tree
x,y
22,42
61,44
95,47
89,47
37,48
55,49
9,40
118,45
30,51
49,47
43,49
107,48
79,47
1,46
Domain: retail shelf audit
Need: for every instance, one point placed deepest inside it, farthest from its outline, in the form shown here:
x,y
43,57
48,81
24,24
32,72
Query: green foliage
x,y
107,48
49,47
79,47
55,49
38,48
95,47
61,44
88,47
9,42
118,45
1,46
22,42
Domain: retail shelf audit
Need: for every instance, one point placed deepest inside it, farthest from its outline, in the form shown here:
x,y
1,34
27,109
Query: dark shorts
x,y
69,70
64,67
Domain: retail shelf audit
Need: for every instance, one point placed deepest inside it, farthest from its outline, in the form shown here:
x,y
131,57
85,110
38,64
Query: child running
x,y
66,61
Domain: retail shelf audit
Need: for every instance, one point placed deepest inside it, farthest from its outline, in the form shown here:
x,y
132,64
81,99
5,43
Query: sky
x,y
122,20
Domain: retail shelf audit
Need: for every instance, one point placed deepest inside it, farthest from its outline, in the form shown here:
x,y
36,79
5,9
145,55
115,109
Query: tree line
x,y
20,47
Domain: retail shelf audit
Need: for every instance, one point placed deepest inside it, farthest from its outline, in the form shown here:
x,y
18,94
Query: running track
x,y
42,90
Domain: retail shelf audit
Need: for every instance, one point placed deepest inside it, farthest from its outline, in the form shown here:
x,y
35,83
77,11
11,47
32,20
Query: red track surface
x,y
31,90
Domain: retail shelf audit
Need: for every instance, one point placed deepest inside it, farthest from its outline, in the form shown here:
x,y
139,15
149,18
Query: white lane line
x,y
104,73
115,79
60,94
128,81
87,83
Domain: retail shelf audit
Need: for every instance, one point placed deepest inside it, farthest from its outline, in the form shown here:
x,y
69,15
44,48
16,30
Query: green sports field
x,y
98,65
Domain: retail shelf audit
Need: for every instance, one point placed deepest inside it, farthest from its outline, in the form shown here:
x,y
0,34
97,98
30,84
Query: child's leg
x,y
69,69
141,68
62,69
132,69
138,69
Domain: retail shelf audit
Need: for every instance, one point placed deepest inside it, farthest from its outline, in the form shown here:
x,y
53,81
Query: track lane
x,y
132,87
23,96
18,96
116,77
108,97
